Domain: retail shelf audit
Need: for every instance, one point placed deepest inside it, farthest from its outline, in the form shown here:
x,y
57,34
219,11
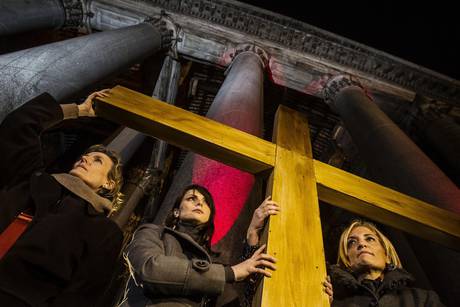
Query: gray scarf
x,y
81,189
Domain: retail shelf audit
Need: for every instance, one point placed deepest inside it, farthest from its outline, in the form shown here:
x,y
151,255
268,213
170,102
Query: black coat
x,y
393,291
67,255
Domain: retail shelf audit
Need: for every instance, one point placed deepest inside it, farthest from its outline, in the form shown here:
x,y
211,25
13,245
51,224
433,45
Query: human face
x,y
194,208
93,169
365,252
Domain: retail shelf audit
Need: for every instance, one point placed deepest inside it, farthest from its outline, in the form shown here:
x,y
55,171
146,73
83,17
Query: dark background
x,y
427,34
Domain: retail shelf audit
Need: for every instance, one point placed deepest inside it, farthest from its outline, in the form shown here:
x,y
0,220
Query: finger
x,y
267,257
271,211
328,278
91,96
328,291
272,207
259,251
266,264
266,199
263,272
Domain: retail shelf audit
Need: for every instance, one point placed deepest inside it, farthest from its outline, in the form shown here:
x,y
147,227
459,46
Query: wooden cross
x,y
297,182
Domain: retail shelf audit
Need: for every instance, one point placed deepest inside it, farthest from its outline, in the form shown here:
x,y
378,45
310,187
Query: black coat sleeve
x,y
20,138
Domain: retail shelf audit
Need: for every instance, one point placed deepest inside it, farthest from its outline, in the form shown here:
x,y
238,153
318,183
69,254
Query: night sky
x,y
425,34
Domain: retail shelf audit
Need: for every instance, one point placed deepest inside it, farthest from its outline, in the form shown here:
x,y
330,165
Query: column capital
x,y
252,48
336,84
167,28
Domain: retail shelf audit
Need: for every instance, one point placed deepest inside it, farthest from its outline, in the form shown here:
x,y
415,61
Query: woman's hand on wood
x,y
86,108
328,288
267,208
256,264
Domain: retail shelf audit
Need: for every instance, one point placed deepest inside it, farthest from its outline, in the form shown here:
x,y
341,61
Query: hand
x,y
86,108
267,208
328,288
255,264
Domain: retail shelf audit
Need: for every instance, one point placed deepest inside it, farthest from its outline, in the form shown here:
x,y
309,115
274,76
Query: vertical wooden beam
x,y
295,236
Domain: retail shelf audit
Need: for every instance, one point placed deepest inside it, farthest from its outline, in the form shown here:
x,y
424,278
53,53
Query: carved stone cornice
x,y
73,13
301,37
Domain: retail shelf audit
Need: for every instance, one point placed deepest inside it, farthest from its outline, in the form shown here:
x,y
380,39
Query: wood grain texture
x,y
295,236
187,130
387,206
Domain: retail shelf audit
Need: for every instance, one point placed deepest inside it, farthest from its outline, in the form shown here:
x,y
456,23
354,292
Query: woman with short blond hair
x,y
369,273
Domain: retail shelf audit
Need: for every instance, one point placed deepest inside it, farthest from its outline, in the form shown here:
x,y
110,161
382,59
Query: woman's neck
x,y
193,230
371,274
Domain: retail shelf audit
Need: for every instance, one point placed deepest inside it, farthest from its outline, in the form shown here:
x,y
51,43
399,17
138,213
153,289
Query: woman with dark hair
x,y
172,265
369,273
57,246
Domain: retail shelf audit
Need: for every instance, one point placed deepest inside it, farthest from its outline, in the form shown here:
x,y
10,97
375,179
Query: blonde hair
x,y
115,174
390,251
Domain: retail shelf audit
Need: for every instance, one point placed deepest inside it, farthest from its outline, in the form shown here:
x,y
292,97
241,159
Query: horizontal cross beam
x,y
387,206
247,152
187,130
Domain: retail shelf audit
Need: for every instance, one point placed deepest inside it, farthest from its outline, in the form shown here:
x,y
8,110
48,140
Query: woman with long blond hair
x,y
369,273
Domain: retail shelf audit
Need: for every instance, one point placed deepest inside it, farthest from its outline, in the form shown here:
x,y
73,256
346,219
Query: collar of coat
x,y
186,237
393,280
81,189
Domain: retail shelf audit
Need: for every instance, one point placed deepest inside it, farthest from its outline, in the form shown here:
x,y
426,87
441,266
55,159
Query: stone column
x,y
68,67
149,178
395,161
24,15
239,103
443,134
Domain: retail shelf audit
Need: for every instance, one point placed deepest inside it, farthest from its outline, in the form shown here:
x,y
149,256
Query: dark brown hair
x,y
208,227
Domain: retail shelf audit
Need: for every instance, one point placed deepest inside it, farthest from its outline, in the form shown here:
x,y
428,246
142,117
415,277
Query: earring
x,y
176,213
390,267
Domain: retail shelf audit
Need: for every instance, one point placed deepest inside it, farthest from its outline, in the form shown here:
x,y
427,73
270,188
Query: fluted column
x,y
24,15
64,68
239,103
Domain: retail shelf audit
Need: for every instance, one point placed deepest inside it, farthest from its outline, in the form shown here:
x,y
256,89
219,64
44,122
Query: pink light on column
x,y
237,104
229,187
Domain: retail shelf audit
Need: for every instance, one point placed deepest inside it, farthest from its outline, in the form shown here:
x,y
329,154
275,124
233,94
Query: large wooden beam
x,y
387,206
187,130
295,236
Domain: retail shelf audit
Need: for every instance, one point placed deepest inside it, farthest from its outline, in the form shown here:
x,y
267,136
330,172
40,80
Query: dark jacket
x,y
171,269
67,255
393,291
